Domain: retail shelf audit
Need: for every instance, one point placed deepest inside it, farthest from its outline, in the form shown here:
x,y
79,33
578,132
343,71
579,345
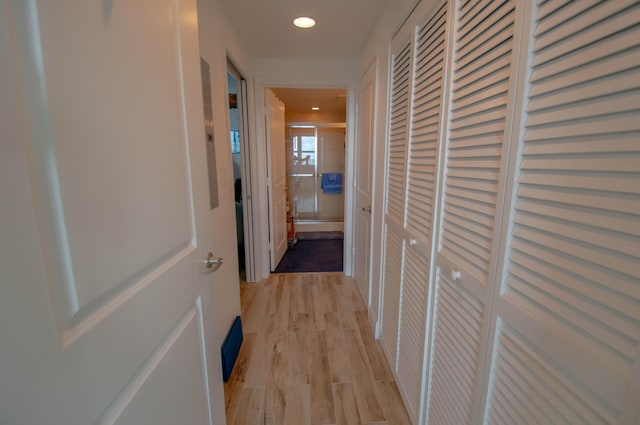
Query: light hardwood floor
x,y
309,357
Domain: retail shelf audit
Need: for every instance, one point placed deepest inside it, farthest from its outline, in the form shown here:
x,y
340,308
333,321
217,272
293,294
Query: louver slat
x,y
398,135
412,329
573,263
476,124
395,207
425,126
392,280
456,353
476,132
427,88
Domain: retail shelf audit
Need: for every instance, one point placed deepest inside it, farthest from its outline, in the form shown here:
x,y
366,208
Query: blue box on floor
x,y
231,348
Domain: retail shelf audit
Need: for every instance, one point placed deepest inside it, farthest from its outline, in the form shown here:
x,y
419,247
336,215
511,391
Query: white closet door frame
x,y
509,155
481,291
629,410
435,233
420,247
524,21
389,324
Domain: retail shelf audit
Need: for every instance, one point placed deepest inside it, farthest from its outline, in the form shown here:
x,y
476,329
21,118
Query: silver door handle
x,y
212,262
367,209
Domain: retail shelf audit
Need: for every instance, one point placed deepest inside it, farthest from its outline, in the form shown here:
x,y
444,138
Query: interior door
x,y
362,237
277,178
106,307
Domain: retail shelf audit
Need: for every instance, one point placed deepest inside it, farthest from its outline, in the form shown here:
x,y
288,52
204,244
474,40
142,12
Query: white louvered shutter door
x,y
421,172
472,177
567,339
395,195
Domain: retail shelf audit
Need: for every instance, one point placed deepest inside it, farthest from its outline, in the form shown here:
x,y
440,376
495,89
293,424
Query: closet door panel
x,y
456,352
473,173
412,329
394,251
396,162
476,133
567,340
422,157
395,200
425,125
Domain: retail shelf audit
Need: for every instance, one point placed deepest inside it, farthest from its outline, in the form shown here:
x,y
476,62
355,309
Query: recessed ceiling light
x,y
304,22
315,108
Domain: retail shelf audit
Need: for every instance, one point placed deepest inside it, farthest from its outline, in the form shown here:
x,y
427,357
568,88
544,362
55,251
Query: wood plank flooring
x,y
309,357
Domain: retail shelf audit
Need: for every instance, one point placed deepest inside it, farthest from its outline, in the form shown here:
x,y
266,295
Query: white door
x,y
416,106
565,323
277,178
472,186
106,312
394,241
422,154
366,103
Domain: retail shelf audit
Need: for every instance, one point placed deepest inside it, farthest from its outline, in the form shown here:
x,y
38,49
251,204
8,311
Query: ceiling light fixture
x,y
304,22
315,108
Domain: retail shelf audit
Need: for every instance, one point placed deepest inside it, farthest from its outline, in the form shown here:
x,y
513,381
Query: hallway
x,y
309,357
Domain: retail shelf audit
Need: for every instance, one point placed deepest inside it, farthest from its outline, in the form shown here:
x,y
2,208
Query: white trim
x,y
246,170
378,190
349,174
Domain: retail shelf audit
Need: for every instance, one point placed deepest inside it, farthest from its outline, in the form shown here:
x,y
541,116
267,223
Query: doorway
x,y
315,152
241,160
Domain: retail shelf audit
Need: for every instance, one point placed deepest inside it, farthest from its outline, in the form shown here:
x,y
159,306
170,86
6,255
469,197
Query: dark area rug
x,y
319,235
312,255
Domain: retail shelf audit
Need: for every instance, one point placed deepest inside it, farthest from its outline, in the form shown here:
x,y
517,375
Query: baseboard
x,y
374,323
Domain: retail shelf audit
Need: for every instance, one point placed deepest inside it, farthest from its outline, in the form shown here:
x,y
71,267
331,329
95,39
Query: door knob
x,y
367,209
212,262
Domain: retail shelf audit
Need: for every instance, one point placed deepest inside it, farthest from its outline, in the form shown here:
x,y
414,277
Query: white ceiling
x,y
266,30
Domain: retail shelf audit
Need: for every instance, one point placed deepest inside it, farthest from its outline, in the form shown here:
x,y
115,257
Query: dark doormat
x,y
319,235
312,255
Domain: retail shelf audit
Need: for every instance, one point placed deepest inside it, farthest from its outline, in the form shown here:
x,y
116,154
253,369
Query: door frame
x,y
261,233
277,244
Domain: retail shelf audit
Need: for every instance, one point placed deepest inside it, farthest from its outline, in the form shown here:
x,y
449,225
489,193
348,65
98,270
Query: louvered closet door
x,y
395,204
421,171
567,341
472,177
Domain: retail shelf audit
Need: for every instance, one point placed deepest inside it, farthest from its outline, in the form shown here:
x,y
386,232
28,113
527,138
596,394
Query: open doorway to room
x,y
314,170
240,153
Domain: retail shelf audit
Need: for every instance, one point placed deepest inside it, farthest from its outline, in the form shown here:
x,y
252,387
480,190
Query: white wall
x,y
217,40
